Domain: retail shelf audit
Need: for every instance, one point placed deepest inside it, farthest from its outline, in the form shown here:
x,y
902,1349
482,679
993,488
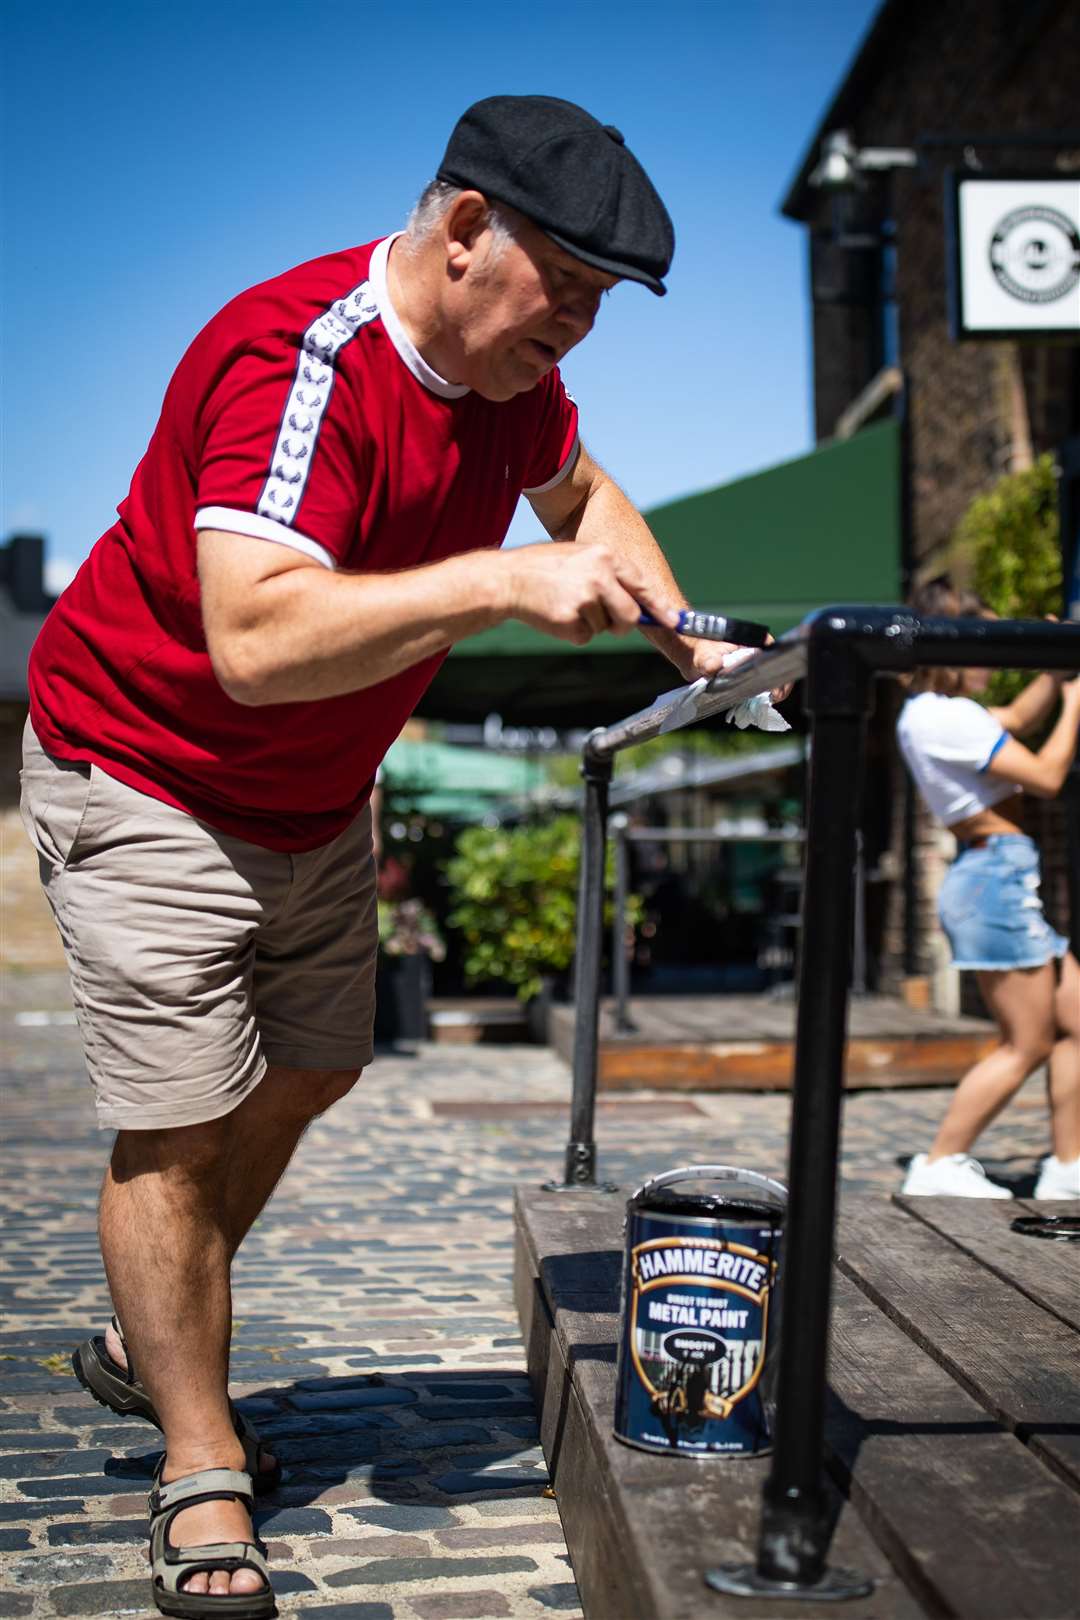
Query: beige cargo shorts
x,y
197,959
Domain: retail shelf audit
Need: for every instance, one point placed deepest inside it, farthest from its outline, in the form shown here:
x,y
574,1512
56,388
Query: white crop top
x,y
948,743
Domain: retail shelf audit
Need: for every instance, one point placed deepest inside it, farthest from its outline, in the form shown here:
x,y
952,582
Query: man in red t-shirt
x,y
315,523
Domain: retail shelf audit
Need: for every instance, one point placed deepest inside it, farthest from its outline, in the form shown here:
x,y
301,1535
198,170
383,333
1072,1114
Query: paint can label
x,y
698,1320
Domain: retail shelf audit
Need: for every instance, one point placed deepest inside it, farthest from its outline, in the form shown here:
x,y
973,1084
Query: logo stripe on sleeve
x,y
290,464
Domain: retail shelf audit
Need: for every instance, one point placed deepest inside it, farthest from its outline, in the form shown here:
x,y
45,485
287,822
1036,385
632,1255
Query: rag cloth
x,y
756,711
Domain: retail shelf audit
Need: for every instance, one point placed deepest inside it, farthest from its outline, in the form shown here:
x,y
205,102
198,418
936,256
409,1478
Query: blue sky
x,y
161,157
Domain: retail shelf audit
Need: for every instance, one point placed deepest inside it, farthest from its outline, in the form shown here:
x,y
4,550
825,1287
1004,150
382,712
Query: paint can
x,y
700,1313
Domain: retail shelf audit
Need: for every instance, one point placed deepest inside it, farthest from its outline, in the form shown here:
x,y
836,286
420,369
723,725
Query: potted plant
x,y
514,899
409,941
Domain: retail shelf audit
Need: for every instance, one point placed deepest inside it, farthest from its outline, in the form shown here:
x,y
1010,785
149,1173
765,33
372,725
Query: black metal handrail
x,y
839,652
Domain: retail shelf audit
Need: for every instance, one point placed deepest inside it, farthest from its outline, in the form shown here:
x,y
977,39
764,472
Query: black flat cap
x,y
572,176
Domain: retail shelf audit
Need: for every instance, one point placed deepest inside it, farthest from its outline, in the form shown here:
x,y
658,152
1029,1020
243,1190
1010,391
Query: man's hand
x,y
705,658
710,658
588,508
575,591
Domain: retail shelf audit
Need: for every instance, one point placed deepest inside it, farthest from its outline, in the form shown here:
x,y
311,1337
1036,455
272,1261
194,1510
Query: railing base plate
x,y
579,1186
832,1586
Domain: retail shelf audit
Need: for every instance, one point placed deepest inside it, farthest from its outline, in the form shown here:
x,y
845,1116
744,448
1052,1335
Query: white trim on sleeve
x,y
564,471
261,528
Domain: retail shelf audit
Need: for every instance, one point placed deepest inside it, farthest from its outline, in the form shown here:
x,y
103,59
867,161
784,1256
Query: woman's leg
x,y
1021,1003
1064,1076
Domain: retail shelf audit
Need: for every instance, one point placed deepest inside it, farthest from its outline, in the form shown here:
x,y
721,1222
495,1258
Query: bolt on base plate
x,y
579,1186
832,1586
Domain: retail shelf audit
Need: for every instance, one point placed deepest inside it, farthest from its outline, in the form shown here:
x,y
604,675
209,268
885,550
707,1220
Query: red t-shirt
x,y
302,414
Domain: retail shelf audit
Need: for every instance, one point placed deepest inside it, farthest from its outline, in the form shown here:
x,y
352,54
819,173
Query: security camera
x,y
836,169
842,164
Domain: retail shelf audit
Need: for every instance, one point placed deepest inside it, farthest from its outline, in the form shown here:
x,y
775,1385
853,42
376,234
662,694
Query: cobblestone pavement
x,y
376,1342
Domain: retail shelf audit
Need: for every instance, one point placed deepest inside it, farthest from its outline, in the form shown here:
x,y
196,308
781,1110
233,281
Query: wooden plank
x,y
766,1017
880,1064
568,1223
886,1060
660,1020
1048,1273
973,1521
675,1051
979,1528
745,1066
535,1319
1018,1361
641,1529
609,1107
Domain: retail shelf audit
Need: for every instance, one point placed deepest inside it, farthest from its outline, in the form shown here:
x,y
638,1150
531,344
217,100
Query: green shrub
x,y
514,898
1009,544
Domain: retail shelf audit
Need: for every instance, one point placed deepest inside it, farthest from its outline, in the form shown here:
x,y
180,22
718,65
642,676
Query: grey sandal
x,y
170,1565
119,1389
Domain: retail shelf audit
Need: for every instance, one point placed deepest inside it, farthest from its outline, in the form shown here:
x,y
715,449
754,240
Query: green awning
x,y
441,779
774,546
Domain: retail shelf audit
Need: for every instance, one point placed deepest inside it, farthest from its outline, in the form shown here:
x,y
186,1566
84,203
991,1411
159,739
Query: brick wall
x,y
960,67
955,67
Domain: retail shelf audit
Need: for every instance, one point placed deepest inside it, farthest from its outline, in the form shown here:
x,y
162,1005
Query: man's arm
x,y
280,628
589,507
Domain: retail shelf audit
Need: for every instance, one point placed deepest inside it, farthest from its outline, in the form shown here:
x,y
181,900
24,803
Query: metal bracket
x,y
581,1163
580,1172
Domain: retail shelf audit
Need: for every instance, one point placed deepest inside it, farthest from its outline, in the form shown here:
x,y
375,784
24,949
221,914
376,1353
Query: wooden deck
x,y
746,1043
477,1020
953,1428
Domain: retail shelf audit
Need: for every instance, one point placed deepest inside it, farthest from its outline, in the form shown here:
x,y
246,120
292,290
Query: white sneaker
x,y
1058,1180
955,1176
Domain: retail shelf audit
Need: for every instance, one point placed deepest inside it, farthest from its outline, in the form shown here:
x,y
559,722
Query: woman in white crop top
x,y
971,770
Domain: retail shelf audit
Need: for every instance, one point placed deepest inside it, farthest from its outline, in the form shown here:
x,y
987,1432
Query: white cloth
x,y
948,744
756,711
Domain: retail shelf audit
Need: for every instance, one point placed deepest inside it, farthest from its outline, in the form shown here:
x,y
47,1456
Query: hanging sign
x,y
1014,256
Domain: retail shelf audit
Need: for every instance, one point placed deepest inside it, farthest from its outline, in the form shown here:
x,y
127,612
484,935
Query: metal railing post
x,y
580,1170
620,960
839,649
910,882
858,965
795,1528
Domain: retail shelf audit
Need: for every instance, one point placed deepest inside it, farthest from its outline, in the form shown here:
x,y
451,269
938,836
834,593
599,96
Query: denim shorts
x,y
990,908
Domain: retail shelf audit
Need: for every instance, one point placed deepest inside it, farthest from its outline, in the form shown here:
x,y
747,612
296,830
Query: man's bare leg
x,y
170,1222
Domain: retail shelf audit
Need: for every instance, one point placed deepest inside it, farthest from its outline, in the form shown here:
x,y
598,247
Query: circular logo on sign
x,y
1035,254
